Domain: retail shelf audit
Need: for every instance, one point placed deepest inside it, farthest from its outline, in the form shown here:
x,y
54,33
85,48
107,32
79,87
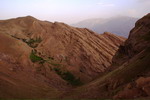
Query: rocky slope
x,y
40,59
138,40
130,73
137,47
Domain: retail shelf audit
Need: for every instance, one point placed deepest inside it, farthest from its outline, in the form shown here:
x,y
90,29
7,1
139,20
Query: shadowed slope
x,y
129,77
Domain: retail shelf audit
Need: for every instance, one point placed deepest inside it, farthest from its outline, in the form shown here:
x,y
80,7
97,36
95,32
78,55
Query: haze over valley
x,y
119,25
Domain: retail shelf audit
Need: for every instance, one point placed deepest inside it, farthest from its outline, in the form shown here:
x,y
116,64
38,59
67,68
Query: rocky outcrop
x,y
136,47
138,40
138,89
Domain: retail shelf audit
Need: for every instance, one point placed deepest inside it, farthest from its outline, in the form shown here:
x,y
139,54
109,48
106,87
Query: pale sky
x,y
72,11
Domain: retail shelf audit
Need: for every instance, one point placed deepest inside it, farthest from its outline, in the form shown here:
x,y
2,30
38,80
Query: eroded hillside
x,y
128,76
40,59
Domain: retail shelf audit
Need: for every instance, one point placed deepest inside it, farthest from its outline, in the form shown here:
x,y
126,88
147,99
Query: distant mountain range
x,y
120,25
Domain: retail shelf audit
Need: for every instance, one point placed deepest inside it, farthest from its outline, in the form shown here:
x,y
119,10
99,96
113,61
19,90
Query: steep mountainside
x,y
118,25
136,51
138,40
130,74
40,59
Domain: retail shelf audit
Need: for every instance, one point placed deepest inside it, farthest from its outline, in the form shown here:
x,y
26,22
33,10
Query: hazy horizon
x,y
72,11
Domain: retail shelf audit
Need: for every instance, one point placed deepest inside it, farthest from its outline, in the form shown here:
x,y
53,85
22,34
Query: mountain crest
x,y
27,18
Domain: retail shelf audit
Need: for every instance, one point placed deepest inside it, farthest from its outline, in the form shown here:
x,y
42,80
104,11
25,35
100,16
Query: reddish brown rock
x,y
81,52
129,63
137,41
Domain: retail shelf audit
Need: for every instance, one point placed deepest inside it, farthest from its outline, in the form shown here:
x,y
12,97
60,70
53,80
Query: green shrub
x,y
68,77
35,58
71,79
57,70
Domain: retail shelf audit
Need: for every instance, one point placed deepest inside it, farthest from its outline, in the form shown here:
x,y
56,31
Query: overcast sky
x,y
72,11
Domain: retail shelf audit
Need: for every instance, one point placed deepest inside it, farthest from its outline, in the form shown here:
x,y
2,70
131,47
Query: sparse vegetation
x,y
68,77
51,61
37,40
33,42
35,58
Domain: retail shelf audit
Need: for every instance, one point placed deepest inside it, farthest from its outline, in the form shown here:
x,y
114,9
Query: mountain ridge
x,y
40,59
119,25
